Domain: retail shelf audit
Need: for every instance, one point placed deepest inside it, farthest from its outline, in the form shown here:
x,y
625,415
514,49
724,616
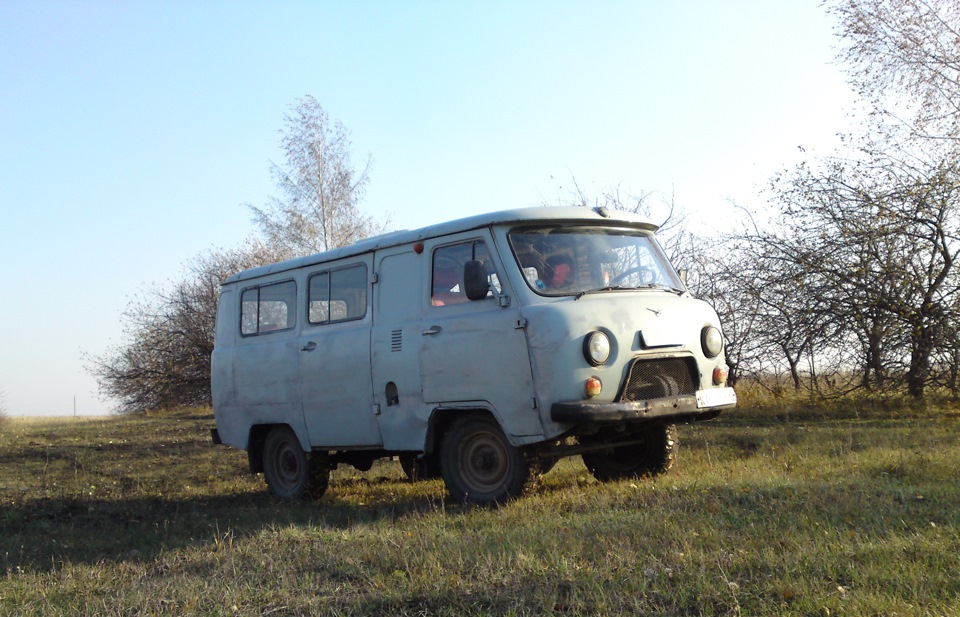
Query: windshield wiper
x,y
623,288
601,290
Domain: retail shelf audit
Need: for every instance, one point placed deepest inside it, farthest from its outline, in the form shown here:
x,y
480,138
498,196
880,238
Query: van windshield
x,y
573,260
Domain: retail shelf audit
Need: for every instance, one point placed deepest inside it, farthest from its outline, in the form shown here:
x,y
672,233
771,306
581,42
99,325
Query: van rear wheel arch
x,y
258,436
255,443
290,472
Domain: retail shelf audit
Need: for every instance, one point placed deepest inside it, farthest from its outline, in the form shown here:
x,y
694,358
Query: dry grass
x,y
760,516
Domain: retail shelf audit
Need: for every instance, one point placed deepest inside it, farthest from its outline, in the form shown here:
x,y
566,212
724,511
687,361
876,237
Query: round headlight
x,y
596,348
712,342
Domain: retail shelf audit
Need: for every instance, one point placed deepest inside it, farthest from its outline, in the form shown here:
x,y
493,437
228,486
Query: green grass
x,y
760,516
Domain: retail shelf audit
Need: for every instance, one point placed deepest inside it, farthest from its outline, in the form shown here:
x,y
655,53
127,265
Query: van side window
x,y
448,261
268,308
338,295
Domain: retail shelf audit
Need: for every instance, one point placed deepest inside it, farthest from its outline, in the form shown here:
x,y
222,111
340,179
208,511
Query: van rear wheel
x,y
652,457
479,464
290,472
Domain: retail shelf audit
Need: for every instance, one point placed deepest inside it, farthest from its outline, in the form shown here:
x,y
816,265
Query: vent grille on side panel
x,y
396,340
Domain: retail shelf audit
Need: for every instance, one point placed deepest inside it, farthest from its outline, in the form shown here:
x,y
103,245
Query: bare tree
x,y
946,362
714,274
772,328
905,53
320,190
877,240
164,360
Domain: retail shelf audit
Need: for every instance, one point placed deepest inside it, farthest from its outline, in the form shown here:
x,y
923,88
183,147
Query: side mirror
x,y
475,283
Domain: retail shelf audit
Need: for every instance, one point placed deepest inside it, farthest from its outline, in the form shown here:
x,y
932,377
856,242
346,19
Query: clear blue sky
x,y
132,133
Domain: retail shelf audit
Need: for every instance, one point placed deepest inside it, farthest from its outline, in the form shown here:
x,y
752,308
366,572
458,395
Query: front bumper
x,y
703,405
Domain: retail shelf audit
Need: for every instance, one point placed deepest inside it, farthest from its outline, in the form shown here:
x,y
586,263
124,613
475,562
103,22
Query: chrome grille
x,y
659,378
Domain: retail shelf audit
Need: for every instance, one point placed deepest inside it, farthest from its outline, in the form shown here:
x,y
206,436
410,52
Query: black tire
x,y
480,465
653,457
290,472
419,468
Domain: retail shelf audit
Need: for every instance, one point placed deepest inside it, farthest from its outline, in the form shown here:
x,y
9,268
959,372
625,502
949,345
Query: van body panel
x,y
335,387
221,361
260,395
334,357
268,372
395,348
477,351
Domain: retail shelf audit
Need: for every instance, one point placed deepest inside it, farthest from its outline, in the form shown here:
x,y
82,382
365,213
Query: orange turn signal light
x,y
593,387
720,376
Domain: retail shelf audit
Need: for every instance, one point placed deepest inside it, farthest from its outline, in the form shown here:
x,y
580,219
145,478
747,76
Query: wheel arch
x,y
478,462
443,417
258,437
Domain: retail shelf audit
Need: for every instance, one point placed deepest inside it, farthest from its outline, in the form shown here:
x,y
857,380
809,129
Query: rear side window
x,y
268,308
337,295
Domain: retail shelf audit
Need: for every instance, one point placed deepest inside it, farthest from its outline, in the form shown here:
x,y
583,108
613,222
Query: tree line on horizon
x,y
847,280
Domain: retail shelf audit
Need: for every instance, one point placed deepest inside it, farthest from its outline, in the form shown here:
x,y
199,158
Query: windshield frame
x,y
545,250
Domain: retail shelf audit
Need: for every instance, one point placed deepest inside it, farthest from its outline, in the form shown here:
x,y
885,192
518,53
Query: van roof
x,y
567,214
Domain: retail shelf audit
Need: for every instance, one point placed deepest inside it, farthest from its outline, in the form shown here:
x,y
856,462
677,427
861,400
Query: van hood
x,y
636,321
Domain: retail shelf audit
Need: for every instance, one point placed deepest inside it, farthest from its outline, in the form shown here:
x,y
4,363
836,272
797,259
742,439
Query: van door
x,y
265,360
335,390
475,351
395,348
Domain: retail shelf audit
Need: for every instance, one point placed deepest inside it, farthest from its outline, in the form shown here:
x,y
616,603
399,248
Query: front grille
x,y
659,378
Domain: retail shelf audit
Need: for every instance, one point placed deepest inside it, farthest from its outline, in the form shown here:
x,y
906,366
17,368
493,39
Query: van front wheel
x,y
480,465
290,472
652,457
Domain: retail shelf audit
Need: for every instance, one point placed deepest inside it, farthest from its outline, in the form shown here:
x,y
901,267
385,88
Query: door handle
x,y
310,346
432,330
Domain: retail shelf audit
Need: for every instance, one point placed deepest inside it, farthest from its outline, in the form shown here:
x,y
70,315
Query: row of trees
x,y
847,279
849,276
852,280
855,283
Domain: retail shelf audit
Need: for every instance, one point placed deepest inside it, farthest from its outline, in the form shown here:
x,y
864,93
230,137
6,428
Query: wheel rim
x,y
288,468
484,463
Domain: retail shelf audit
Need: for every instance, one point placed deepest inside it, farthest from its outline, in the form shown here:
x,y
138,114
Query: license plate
x,y
716,397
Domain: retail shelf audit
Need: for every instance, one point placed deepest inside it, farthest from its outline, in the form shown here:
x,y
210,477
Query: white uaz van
x,y
482,350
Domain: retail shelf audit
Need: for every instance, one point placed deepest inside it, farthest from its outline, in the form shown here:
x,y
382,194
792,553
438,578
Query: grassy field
x,y
793,515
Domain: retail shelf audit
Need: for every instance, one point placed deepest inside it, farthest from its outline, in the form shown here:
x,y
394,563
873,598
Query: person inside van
x,y
446,287
559,272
